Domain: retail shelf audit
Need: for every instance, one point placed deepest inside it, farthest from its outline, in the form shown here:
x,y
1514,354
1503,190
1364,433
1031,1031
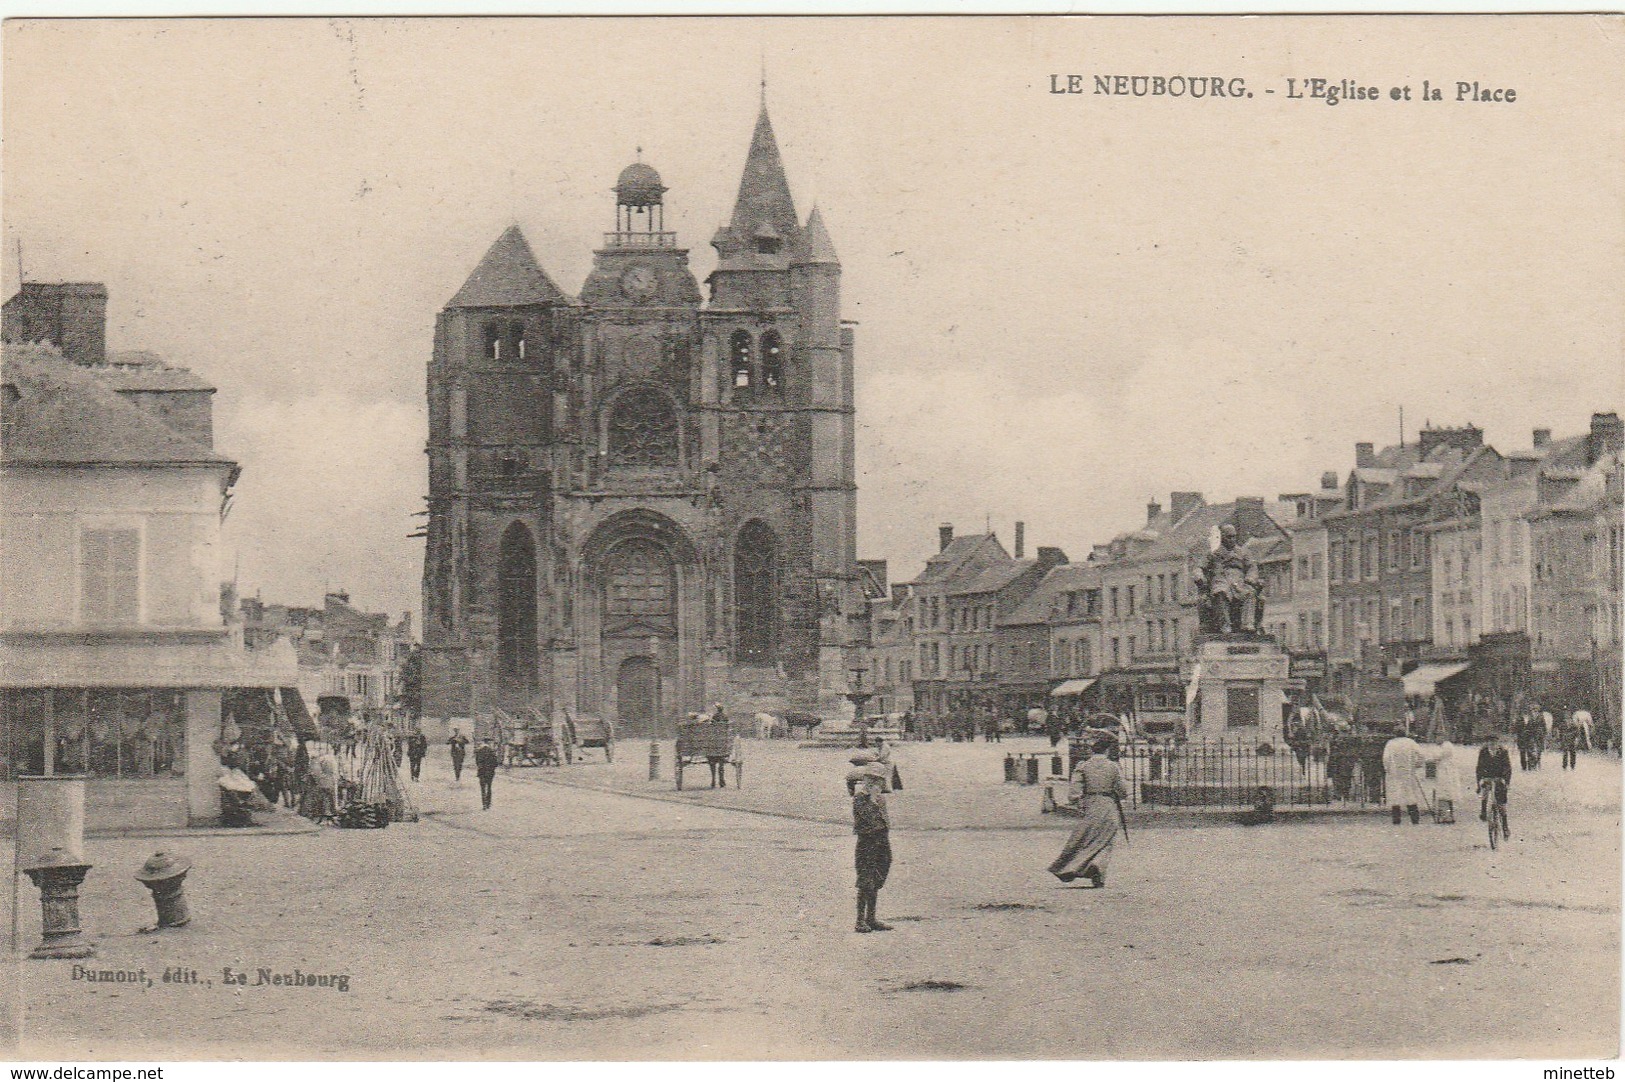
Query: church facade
x,y
642,498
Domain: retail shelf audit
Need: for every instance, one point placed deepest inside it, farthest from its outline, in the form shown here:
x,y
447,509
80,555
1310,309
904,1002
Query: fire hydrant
x,y
57,873
165,875
654,760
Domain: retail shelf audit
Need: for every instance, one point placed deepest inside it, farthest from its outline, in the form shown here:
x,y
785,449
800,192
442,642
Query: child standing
x,y
873,856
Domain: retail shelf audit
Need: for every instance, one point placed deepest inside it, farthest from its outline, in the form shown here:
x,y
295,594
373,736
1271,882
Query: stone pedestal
x,y
1241,683
58,874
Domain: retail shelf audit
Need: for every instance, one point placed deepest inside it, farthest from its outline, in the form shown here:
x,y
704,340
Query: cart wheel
x,y
679,775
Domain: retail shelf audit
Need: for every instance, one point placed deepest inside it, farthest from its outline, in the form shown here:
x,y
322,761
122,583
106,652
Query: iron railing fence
x,y
1339,773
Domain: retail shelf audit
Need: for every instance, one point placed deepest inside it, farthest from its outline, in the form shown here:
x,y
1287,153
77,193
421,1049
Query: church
x,y
641,498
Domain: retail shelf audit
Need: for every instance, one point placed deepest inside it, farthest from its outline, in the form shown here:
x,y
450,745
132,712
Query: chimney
x,y
1466,438
1181,504
1021,540
1607,437
945,536
1152,510
1365,455
1542,436
72,316
1328,480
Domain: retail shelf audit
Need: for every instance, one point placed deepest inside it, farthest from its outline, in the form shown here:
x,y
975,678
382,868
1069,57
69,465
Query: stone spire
x,y
763,211
815,246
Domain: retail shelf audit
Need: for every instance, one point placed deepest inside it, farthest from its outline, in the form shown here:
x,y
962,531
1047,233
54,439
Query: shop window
x,y
102,732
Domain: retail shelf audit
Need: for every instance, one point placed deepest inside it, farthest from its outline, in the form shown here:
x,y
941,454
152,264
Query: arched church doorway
x,y
637,698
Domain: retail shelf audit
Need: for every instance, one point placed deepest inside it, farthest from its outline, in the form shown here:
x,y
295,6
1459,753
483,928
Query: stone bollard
x,y
654,760
1009,768
165,875
57,873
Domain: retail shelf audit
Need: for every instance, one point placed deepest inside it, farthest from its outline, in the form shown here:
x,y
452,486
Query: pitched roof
x,y
992,579
508,276
942,564
63,415
1040,604
1588,494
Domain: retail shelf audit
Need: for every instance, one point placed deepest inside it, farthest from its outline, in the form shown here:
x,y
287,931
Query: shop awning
x,y
1421,680
1073,687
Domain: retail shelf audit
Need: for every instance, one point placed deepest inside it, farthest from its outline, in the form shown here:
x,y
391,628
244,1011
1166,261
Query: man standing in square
x,y
485,765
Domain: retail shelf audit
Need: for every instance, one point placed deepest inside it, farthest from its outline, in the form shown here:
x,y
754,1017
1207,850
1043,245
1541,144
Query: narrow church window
x,y
740,352
493,341
756,618
516,607
772,361
516,333
643,431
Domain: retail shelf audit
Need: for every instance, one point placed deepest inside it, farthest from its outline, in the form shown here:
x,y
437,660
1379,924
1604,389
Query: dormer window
x,y
767,239
740,352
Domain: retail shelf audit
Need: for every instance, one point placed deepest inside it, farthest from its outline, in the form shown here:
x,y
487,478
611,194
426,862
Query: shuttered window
x,y
110,576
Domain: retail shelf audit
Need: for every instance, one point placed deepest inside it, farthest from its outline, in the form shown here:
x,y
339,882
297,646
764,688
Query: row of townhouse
x,y
341,650
1472,574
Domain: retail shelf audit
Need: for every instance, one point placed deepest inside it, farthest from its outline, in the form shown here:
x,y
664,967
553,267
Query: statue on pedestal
x,y
1232,597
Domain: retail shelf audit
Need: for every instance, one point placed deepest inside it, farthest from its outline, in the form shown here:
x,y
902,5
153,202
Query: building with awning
x,y
114,651
1424,679
1072,687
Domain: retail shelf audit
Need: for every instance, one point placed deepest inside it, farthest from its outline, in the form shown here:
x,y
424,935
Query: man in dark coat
x,y
1495,766
417,746
459,748
486,760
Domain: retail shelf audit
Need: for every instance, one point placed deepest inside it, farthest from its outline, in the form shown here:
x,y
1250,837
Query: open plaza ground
x,y
592,913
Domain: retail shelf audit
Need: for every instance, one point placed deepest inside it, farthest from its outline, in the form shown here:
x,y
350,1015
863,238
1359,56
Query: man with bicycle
x,y
1494,767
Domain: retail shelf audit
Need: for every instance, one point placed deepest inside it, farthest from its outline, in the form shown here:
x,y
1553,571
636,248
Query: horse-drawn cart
x,y
712,743
592,731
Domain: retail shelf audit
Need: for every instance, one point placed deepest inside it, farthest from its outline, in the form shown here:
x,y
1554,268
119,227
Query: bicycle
x,y
1493,802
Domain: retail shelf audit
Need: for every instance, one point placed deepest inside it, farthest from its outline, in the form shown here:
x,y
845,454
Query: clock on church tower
x,y
640,264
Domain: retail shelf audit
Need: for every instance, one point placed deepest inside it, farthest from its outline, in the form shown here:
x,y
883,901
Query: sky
x,y
1068,305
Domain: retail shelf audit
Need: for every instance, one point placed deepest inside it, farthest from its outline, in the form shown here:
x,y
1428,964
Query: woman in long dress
x,y
1100,787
